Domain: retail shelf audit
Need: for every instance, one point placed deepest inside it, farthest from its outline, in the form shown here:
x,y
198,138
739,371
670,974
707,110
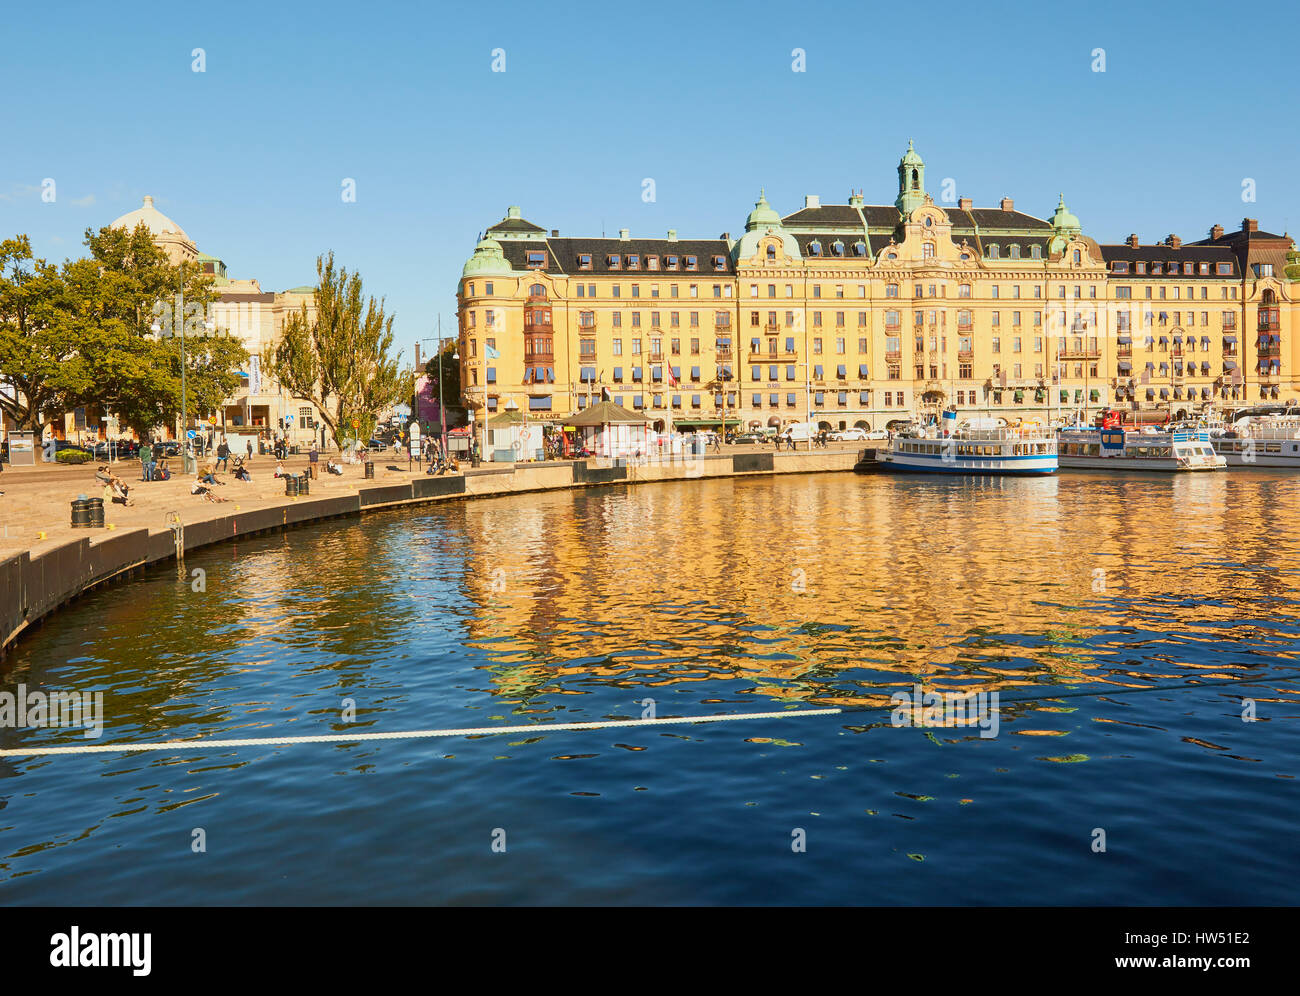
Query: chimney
x,y
1216,232
555,233
624,234
964,204
1250,224
1008,204
672,235
1133,241
417,356
812,201
1174,242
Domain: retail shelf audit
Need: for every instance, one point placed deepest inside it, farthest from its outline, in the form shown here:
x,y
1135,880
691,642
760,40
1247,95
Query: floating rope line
x,y
348,738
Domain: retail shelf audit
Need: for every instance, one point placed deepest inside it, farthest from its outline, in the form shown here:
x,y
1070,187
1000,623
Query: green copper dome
x,y
763,216
1064,221
488,261
910,157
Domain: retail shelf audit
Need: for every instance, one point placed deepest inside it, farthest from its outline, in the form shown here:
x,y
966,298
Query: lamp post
x,y
156,327
442,407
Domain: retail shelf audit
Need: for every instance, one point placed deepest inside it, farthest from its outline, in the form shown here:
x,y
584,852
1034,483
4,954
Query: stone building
x,y
861,314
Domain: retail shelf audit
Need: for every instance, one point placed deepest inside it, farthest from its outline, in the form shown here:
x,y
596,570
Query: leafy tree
x,y
338,357
450,376
83,334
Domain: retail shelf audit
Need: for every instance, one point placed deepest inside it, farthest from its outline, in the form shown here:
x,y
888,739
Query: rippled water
x,y
1116,617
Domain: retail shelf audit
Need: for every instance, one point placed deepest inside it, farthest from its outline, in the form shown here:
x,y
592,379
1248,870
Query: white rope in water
x,y
348,738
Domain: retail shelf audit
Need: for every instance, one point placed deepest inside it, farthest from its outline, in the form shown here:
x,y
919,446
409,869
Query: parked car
x,y
751,437
849,434
877,434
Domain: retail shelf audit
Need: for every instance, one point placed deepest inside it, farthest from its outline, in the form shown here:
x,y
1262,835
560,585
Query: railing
x,y
1087,353
894,357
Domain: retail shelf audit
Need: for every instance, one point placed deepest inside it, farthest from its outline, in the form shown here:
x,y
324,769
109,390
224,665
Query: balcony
x,y
965,355
1124,352
656,357
894,357
724,352
1086,353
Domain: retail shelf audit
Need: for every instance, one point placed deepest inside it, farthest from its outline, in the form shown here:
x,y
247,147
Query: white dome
x,y
157,222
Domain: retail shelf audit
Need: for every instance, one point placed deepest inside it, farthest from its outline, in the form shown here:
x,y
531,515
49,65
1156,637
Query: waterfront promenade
x,y
44,562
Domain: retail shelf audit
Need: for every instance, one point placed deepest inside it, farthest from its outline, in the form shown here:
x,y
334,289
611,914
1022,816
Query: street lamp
x,y
186,464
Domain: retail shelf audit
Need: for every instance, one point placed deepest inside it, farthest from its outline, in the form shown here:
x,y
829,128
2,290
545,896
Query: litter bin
x,y
370,470
304,484
96,510
290,486
81,513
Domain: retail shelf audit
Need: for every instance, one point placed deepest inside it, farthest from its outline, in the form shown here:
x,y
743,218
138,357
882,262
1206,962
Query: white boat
x,y
977,448
1086,448
1260,441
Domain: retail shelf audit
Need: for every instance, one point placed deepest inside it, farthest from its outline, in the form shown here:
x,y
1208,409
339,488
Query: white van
x,y
800,432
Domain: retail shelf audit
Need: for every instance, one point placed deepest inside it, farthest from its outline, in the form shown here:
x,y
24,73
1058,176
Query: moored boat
x,y
1117,448
1260,441
977,448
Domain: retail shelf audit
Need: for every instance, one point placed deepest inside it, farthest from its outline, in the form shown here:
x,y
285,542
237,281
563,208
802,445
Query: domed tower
x,y
167,235
911,181
489,260
1065,226
762,221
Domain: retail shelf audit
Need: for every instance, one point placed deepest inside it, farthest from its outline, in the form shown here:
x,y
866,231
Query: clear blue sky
x,y
249,156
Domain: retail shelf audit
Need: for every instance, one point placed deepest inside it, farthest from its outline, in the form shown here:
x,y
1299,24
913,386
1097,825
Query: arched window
x,y
994,252
1036,252
1015,252
927,250
771,252
537,290
838,248
860,248
916,179
1078,256
814,248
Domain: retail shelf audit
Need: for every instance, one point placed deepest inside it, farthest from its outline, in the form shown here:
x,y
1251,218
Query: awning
x,y
1164,394
1124,340
1019,397
1205,393
1229,338
1229,364
862,371
1125,366
1094,395
841,371
1065,395
703,423
1151,394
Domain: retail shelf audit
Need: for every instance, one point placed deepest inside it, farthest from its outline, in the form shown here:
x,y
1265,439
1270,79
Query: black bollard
x,y
304,484
95,512
81,513
290,486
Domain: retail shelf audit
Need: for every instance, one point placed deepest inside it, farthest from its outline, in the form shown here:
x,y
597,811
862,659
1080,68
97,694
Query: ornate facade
x,y
857,314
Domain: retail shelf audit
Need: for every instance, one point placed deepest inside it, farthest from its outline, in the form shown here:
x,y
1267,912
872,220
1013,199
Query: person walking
x,y
313,459
223,454
250,451
146,461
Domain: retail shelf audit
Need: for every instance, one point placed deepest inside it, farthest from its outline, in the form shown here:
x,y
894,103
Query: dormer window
x,y
1188,269
1078,256
536,259
1157,268
584,261
1119,266
838,248
652,262
1139,267
771,253
995,252
670,262
719,262
1223,269
1015,252
1204,269
633,261
814,248
614,261
692,262
859,248
1036,252
927,250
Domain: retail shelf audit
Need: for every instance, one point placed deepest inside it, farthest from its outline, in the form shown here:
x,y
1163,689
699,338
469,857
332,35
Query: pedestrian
x,y
223,455
313,458
250,451
146,460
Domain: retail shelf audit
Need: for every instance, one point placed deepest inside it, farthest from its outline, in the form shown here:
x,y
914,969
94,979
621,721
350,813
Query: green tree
x,y
39,337
338,357
450,375
83,334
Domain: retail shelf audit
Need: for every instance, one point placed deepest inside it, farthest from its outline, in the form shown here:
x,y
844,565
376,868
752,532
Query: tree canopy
x,y
82,333
337,355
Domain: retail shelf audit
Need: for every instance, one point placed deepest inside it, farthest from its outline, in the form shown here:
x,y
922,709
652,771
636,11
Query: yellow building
x,y
856,314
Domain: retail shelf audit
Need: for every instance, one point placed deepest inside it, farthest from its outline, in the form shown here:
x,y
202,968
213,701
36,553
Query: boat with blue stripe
x,y
978,447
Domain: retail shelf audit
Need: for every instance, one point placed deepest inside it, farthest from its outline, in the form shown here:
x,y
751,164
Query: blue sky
x,y
249,156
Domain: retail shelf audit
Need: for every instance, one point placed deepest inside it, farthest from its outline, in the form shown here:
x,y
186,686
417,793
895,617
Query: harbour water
x,y
1129,624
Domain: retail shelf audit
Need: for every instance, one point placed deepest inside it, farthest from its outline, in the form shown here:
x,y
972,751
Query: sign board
x,y
1112,439
22,449
415,439
190,434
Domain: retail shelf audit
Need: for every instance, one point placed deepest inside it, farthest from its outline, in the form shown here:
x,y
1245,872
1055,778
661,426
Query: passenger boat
x,y
977,448
1259,441
1116,448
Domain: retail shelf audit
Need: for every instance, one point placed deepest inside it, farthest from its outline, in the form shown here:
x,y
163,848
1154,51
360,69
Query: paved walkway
x,y
39,499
